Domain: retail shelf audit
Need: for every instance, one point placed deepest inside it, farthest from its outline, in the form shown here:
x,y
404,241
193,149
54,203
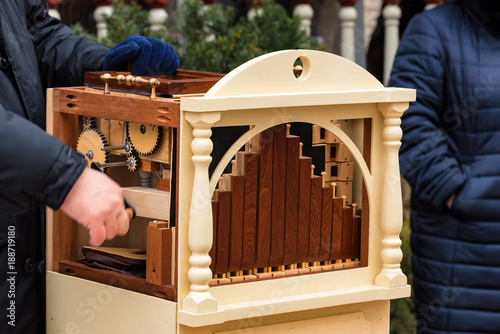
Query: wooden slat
x,y
336,229
223,224
250,210
365,205
264,211
159,253
236,231
326,223
278,200
315,219
120,107
213,250
304,208
118,280
291,199
356,237
347,216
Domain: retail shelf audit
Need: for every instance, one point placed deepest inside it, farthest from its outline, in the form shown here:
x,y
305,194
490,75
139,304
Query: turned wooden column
x,y
392,15
53,8
348,16
103,7
304,10
158,15
391,219
200,238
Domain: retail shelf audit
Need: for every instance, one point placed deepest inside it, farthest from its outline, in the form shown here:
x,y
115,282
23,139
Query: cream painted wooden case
x,y
336,295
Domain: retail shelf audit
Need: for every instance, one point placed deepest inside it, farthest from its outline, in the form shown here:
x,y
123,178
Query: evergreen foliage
x,y
206,38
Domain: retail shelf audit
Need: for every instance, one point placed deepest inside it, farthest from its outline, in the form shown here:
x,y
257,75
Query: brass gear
x,y
89,144
88,122
134,162
144,138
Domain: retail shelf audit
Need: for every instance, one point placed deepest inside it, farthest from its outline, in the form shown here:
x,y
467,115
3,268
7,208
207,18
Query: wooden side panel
x,y
291,199
347,217
326,223
356,237
315,219
213,250
336,229
264,199
236,230
159,251
278,201
250,210
367,144
224,217
304,208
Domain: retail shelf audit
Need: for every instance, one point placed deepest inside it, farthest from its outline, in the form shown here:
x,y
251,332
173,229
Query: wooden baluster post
x,y
430,4
391,219
158,16
304,10
392,15
199,299
103,7
53,4
348,15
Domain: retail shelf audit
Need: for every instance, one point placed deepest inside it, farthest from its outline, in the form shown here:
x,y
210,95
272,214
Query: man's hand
x,y
96,202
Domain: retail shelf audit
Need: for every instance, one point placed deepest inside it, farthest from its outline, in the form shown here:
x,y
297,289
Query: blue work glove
x,y
148,56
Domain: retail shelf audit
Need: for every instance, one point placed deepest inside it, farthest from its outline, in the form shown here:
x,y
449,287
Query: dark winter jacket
x,y
451,145
36,170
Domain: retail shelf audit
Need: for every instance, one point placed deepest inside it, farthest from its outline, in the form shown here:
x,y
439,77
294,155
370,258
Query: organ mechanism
x,y
131,140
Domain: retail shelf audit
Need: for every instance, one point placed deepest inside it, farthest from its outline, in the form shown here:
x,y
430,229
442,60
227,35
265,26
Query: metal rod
x,y
125,147
116,164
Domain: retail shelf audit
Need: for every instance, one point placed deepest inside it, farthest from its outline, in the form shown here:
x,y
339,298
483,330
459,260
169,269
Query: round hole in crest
x,y
301,68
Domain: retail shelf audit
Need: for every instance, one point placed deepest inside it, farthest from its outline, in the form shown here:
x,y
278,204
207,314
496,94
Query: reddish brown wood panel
x,y
356,237
347,217
213,253
236,230
119,280
304,208
181,82
223,225
336,229
250,210
264,211
326,223
315,219
278,200
365,205
291,199
159,253
161,111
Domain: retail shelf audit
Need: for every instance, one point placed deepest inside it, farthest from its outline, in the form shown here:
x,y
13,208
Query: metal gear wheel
x,y
144,138
134,162
89,144
88,122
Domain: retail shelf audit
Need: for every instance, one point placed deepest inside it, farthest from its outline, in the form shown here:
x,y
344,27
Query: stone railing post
x,y
199,299
53,5
304,10
348,16
103,7
392,15
158,15
391,219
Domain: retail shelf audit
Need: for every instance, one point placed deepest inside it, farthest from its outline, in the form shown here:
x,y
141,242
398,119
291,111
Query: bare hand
x,y
96,202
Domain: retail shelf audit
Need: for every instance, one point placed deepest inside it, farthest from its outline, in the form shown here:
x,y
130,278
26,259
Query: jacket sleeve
x,y
63,56
427,160
41,170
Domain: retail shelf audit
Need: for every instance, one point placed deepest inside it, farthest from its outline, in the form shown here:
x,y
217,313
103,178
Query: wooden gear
x,y
270,246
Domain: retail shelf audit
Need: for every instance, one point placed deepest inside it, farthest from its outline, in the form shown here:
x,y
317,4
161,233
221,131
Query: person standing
x,y
450,155
38,170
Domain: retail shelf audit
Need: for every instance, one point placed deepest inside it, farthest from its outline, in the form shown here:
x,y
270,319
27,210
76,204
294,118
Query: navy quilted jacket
x,y
451,144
